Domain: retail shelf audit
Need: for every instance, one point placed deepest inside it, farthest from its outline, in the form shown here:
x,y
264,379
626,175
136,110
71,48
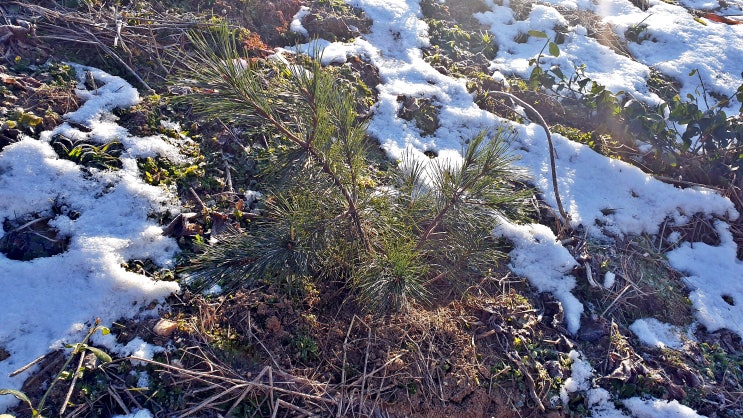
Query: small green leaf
x,y
557,71
102,355
29,119
554,49
105,331
537,34
18,394
693,72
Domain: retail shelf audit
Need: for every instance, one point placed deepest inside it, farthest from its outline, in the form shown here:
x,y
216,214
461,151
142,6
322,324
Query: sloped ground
x,y
497,349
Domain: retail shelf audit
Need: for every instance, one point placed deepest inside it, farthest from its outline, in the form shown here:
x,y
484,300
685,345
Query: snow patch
x,y
50,301
657,334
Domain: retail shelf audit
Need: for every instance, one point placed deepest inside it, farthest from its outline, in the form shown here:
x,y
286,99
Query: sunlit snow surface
x,y
47,302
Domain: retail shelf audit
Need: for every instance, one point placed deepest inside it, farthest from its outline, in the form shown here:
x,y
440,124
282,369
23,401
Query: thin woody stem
x,y
543,124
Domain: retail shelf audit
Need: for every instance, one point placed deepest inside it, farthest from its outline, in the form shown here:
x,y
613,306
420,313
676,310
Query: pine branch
x,y
241,83
482,162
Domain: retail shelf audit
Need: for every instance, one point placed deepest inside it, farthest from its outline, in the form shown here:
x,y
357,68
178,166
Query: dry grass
x,y
143,45
436,361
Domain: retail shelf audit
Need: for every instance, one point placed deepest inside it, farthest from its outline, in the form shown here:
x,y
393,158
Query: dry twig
x,y
540,120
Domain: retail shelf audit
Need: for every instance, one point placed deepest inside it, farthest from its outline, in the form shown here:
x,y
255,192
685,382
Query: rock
x,y
165,327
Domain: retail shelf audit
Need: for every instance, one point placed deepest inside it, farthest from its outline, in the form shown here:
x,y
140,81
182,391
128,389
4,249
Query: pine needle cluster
x,y
330,211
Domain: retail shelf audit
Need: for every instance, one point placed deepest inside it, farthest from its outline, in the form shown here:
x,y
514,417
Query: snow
x,y
137,347
296,24
714,274
50,301
537,256
580,377
678,44
658,408
616,72
609,279
657,334
142,413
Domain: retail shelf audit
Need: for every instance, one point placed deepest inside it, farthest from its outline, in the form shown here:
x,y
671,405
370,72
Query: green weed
x,y
81,349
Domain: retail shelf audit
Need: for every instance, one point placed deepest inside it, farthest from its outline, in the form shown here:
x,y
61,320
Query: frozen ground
x,y
47,302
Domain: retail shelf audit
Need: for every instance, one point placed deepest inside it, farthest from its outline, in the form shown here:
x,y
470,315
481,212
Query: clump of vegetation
x,y
331,213
423,112
688,132
104,157
460,43
66,373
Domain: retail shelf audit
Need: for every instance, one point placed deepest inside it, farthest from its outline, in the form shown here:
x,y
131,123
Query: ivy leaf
x,y
554,49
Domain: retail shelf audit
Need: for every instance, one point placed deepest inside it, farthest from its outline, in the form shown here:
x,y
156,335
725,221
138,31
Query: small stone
x,y
91,361
165,327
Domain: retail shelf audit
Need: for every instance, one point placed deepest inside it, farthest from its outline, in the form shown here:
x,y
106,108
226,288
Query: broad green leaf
x,y
554,49
537,34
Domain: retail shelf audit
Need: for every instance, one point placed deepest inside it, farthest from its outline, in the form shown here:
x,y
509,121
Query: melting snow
x,y
50,301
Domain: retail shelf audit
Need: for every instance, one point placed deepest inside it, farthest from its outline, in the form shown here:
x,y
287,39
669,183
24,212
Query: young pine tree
x,y
323,218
